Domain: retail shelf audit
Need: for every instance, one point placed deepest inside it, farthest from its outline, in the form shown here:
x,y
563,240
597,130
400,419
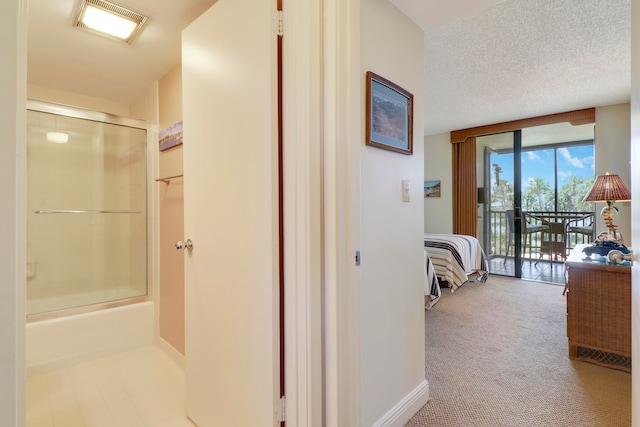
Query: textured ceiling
x,y
523,58
486,61
433,13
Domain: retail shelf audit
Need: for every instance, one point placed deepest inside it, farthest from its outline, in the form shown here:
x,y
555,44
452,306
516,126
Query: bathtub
x,y
64,341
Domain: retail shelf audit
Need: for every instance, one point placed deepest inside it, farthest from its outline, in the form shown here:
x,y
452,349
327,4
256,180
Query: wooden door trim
x,y
281,270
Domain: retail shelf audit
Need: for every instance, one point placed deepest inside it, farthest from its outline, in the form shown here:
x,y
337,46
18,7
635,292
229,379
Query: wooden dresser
x,y
598,311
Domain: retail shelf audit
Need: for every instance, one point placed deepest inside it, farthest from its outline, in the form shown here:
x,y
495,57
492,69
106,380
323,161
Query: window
x,y
555,178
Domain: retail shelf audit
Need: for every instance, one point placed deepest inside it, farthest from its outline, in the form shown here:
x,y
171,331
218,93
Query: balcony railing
x,y
576,226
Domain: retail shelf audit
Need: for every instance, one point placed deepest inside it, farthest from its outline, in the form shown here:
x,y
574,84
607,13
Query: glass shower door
x,y
86,205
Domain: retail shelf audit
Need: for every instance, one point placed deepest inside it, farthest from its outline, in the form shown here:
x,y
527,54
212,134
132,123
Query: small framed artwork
x,y
170,137
389,115
432,188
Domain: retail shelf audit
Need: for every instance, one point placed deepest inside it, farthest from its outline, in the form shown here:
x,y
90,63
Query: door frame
x,y
302,239
517,201
321,91
13,109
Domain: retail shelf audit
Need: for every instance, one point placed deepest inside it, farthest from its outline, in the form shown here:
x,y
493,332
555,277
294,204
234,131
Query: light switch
x,y
406,187
31,268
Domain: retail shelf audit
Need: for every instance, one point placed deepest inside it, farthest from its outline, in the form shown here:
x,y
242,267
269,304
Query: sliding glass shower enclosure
x,y
86,207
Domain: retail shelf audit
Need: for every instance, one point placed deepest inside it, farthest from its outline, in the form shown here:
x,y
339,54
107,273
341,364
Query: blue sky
x,y
577,161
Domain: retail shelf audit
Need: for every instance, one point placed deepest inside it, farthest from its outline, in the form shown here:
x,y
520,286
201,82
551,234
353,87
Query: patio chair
x,y
527,230
584,226
553,242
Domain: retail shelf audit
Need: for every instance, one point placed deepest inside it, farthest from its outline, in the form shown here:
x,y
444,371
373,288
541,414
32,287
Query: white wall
x,y
635,212
13,74
68,98
438,211
392,305
613,133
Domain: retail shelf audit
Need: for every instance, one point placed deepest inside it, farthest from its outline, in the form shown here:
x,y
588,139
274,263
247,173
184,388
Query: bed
x,y
451,258
432,290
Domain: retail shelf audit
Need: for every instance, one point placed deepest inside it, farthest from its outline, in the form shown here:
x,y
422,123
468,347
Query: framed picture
x,y
170,137
389,115
432,188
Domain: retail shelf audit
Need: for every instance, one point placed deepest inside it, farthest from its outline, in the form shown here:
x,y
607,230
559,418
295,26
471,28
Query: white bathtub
x,y
61,342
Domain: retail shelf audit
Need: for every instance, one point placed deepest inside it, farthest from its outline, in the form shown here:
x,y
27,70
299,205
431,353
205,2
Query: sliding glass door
x,y
499,208
532,180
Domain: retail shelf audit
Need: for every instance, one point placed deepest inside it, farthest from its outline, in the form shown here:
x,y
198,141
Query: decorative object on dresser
x,y
603,245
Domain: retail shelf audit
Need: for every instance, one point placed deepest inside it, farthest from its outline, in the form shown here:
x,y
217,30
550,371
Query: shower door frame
x,y
81,113
96,116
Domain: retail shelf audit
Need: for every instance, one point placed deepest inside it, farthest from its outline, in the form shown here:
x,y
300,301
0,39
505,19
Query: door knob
x,y
181,246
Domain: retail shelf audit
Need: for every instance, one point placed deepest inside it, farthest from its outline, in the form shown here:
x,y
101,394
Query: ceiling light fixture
x,y
110,19
58,137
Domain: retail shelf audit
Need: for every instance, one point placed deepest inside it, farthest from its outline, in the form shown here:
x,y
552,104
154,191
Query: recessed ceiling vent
x,y
109,19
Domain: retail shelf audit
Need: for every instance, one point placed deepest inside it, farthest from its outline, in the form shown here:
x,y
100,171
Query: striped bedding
x,y
431,284
455,256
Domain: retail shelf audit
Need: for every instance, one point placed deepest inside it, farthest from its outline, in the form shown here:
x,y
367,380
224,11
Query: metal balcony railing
x,y
577,226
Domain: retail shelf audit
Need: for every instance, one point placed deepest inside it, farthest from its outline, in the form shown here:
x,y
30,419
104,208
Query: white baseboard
x,y
170,351
406,408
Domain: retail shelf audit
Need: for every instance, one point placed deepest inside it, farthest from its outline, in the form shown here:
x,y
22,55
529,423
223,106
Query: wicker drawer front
x,y
599,310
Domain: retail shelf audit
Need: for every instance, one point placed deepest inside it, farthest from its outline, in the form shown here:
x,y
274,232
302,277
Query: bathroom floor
x,y
139,388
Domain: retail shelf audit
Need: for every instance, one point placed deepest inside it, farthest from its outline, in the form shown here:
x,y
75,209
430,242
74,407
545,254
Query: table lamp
x,y
609,188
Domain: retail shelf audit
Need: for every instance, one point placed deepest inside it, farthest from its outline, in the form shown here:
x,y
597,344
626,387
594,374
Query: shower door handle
x,y
181,246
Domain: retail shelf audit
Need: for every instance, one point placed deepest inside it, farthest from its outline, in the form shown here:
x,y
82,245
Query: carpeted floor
x,y
496,355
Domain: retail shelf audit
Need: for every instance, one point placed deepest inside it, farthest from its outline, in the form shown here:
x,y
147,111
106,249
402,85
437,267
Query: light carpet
x,y
497,355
